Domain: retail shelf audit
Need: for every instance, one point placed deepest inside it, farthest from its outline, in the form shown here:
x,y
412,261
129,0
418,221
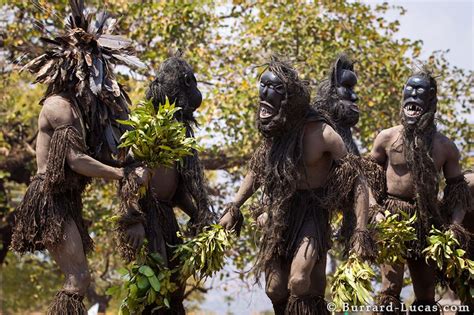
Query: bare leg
x,y
307,281
392,284
424,283
276,285
70,257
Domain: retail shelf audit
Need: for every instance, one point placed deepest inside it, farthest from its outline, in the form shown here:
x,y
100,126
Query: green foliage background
x,y
224,41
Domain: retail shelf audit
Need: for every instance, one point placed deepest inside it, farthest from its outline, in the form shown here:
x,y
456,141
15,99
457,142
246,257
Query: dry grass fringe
x,y
66,303
306,306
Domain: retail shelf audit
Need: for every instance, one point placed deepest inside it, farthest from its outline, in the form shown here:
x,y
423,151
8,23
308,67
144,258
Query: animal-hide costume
x,y
336,97
277,165
157,215
80,63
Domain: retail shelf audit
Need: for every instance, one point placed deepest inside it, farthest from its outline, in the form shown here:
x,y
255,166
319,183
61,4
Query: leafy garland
x,y
156,137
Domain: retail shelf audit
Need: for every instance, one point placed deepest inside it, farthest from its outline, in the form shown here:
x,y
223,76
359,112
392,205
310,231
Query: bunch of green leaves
x,y
445,251
157,138
146,281
352,283
393,234
203,255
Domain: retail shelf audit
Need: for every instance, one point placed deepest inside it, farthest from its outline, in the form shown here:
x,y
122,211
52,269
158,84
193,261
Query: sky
x,y
440,25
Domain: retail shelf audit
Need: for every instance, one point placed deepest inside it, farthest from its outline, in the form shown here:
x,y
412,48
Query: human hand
x,y
135,235
143,175
232,218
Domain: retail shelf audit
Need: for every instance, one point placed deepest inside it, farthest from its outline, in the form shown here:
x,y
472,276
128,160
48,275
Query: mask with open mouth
x,y
419,98
343,79
284,99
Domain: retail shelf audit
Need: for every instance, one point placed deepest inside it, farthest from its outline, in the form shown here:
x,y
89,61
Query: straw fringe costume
x,y
52,199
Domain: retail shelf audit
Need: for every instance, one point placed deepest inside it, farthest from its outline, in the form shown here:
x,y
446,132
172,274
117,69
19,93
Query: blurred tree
x,y
224,41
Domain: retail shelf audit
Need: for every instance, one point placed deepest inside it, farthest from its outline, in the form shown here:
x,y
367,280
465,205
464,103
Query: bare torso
x,y
388,150
47,124
316,156
164,183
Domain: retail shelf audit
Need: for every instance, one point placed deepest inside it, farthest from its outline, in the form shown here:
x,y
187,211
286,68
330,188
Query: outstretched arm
x,y
57,112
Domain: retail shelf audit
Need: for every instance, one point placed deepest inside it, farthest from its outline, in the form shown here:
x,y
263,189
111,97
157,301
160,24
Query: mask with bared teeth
x,y
284,99
419,98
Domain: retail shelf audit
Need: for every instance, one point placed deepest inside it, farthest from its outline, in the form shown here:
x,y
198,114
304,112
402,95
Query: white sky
x,y
440,25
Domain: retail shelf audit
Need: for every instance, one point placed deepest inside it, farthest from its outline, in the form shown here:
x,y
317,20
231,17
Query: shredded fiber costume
x,y
78,68
296,233
52,199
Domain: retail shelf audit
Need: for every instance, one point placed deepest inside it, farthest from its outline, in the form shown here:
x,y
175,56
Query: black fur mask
x,y
176,80
284,99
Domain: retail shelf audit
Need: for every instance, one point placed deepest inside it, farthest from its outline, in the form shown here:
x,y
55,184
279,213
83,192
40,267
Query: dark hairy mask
x,y
176,81
336,95
419,130
419,97
284,99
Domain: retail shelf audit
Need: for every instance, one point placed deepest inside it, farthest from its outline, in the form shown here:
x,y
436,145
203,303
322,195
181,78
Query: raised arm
x,y
58,112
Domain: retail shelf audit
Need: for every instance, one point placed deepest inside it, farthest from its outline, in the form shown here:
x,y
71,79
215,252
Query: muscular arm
x,y
379,155
335,146
184,202
378,152
452,169
246,190
57,112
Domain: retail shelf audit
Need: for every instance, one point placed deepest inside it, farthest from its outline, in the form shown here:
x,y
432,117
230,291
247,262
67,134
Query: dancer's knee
x,y
276,293
78,282
299,285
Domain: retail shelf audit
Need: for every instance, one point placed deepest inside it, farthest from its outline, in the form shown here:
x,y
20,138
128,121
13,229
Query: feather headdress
x,y
80,62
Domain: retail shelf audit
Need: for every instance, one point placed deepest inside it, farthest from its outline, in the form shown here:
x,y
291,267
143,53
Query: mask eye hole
x,y
409,88
187,80
420,90
280,89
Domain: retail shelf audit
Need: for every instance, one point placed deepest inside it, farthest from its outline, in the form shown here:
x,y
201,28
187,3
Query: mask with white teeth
x,y
419,98
283,99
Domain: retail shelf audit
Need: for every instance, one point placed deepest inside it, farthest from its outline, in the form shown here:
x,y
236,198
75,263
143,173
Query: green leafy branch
x,y
393,235
156,137
352,283
147,281
203,255
445,250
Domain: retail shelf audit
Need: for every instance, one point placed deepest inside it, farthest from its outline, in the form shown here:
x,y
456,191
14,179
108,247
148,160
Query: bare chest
x,y
397,155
